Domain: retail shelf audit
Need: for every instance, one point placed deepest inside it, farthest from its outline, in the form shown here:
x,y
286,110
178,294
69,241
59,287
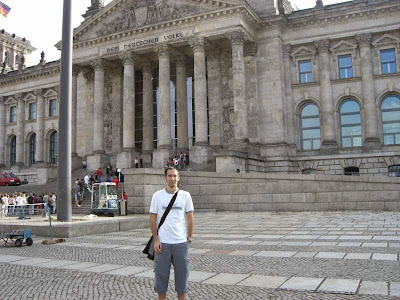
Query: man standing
x,y
171,243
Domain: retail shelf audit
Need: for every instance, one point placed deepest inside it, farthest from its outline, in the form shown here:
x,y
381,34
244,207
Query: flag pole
x,y
64,212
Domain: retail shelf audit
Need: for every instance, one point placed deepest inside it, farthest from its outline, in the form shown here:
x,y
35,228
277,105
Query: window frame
x,y
13,151
53,145
32,115
13,116
50,108
339,57
32,149
382,63
389,122
341,126
309,128
299,62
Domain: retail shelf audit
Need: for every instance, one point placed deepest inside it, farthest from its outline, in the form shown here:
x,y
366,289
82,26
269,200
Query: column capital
x,y
237,37
181,60
322,45
287,49
364,40
98,64
250,49
76,70
88,75
162,51
39,93
127,58
197,44
147,65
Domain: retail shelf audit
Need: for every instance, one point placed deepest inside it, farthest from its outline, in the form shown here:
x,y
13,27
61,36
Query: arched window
x,y
13,150
350,124
32,149
53,148
391,120
310,127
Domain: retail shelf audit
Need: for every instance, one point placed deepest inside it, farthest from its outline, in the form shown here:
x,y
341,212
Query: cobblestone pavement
x,y
318,255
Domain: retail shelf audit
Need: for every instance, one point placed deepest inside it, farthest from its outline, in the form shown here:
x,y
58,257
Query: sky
x,y
40,21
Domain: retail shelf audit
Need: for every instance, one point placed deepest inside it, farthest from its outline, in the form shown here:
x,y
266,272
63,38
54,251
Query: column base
x,y
76,161
16,168
274,150
96,161
160,157
45,173
147,157
372,144
200,156
126,159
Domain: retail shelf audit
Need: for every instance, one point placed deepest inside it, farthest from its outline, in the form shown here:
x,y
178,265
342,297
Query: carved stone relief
x,y
146,12
228,117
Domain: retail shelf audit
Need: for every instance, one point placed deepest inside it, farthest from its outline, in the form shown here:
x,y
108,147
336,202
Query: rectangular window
x,y
305,71
13,114
52,108
388,61
345,66
32,111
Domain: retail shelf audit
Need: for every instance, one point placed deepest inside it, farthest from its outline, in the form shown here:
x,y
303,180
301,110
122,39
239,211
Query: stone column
x,y
75,73
2,132
328,121
240,106
164,128
98,120
126,158
371,139
181,100
214,95
148,112
40,115
288,96
98,159
20,130
200,91
128,133
161,155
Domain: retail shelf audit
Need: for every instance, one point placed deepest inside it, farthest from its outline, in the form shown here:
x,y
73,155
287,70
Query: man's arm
x,y
189,224
153,227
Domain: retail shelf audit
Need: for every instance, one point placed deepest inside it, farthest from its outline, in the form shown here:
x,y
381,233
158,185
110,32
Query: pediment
x,y
50,94
11,100
126,15
343,46
303,51
386,39
30,97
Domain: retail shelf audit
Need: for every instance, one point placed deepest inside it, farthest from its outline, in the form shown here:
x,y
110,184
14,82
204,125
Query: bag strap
x,y
166,212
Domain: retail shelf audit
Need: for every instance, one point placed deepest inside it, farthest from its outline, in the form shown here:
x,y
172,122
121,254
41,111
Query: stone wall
x,y
269,192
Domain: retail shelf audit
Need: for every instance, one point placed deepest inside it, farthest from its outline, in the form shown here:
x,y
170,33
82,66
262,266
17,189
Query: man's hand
x,y
157,246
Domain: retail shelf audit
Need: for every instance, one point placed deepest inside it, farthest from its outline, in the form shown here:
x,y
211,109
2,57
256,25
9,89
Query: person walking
x,y
171,242
76,193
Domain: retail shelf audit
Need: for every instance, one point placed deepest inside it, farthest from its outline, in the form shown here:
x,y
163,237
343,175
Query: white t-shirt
x,y
173,230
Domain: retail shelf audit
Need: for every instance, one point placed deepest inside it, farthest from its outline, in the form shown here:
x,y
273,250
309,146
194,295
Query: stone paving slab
x,y
374,288
268,282
346,286
198,276
394,289
305,254
335,255
384,256
11,258
103,268
275,254
243,252
127,271
225,278
302,284
200,251
57,263
31,261
79,266
358,256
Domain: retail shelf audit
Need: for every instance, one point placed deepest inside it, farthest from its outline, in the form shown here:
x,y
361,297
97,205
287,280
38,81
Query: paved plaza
x,y
314,255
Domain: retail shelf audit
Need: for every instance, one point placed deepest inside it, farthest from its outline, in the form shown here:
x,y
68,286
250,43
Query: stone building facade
x,y
248,86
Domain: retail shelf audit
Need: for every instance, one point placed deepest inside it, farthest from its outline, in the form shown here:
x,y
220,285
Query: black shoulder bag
x,y
149,249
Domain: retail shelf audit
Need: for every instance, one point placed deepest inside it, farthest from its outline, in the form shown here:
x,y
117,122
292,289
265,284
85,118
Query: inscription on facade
x,y
146,42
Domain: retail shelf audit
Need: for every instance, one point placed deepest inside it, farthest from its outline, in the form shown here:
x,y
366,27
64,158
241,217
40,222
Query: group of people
x,y
21,204
180,161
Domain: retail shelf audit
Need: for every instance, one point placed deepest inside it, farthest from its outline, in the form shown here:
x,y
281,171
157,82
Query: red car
x,y
9,179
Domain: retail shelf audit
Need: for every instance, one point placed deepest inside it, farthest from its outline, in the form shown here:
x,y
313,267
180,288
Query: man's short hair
x,y
170,168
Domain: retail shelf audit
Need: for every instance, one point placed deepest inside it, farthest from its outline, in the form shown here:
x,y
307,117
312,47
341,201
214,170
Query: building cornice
x,y
242,10
31,73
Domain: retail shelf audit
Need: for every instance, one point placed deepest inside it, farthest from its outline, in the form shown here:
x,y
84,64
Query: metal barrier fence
x,y
24,211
